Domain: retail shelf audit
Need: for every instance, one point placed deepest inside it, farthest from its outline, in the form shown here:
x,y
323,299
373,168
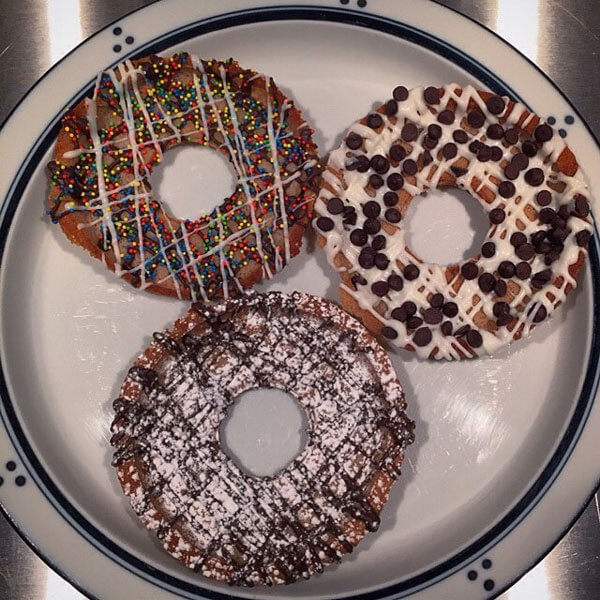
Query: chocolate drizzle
x,y
217,519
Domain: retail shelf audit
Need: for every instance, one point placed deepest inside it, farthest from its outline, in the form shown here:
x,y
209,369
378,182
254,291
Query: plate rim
x,y
312,8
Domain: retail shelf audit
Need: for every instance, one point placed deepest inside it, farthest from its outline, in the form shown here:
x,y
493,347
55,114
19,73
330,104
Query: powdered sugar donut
x,y
526,179
108,146
210,514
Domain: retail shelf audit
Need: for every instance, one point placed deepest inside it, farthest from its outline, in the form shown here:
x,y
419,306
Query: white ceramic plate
x,y
506,451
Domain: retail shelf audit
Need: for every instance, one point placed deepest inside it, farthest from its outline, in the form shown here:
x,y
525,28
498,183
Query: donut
x,y
107,148
207,512
523,175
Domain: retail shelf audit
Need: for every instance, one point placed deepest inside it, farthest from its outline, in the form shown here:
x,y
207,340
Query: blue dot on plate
x,y
1,480
20,481
117,31
117,48
129,39
472,575
11,465
551,120
562,132
570,119
486,563
488,585
362,3
344,1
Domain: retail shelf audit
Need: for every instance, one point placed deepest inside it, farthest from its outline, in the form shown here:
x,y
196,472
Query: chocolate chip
x,y
540,314
543,198
409,132
363,164
469,270
325,224
475,119
503,319
486,282
450,309
437,300
511,136
431,95
506,269
446,117
380,288
446,328
500,288
582,207
429,142
488,249
434,131
389,332
357,280
395,181
474,338
366,258
409,166
358,237
461,331
523,270
390,198
372,226
375,181
497,153
484,154
391,108
382,262
534,177
378,242
558,223
410,308
397,152
350,219
393,215
371,209
500,308
529,149
583,238
400,93
495,131
520,161
432,316
541,278
422,337
543,247
563,212
458,171
517,239
396,282
559,235
538,237
495,104
497,215
511,171
551,257
546,215
525,251
449,150
414,322
543,133
475,146
354,141
374,121
427,158
411,272
506,189
460,136
335,206
399,314
380,164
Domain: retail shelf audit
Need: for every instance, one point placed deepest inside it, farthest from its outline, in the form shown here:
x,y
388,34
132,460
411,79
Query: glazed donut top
x,y
210,514
107,149
522,173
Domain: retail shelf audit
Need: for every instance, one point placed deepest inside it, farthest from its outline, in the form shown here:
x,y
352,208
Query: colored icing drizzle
x,y
207,512
506,157
141,109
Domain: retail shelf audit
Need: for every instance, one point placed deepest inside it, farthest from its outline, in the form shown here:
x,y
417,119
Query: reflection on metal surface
x,y
64,27
518,22
58,589
535,586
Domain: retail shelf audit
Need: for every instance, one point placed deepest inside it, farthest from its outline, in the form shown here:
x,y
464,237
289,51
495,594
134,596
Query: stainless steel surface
x,y
561,36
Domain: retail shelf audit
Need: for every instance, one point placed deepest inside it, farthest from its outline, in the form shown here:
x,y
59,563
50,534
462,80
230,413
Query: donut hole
x,y
445,226
192,180
264,431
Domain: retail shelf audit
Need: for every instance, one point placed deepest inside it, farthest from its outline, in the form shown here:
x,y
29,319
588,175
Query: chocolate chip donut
x,y
207,512
107,148
525,178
